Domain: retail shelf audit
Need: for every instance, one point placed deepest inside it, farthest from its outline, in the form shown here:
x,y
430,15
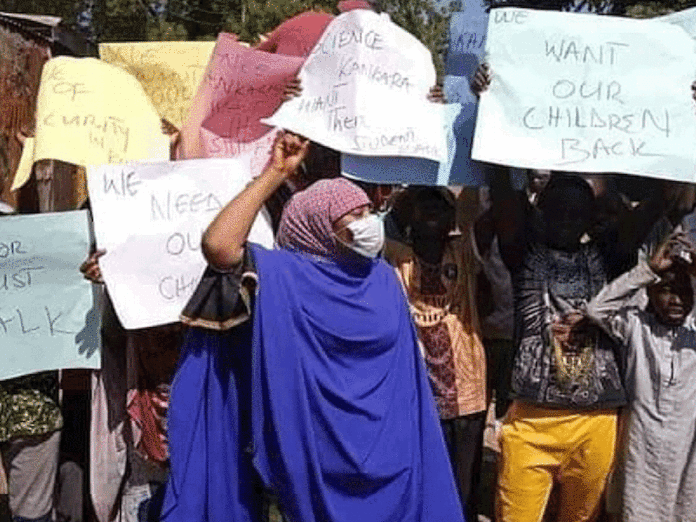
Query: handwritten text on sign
x,y
239,88
90,112
466,49
168,71
47,317
150,218
364,91
586,93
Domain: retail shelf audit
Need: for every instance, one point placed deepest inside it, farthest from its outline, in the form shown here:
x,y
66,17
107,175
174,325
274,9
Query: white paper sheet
x,y
150,218
586,93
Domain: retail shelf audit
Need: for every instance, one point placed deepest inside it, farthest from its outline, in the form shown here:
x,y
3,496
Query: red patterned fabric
x,y
350,5
298,35
307,222
148,410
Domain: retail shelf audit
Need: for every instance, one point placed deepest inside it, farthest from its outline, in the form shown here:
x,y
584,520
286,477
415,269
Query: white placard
x,y
365,88
685,19
586,93
150,218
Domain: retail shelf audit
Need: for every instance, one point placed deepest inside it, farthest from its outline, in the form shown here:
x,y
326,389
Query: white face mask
x,y
368,235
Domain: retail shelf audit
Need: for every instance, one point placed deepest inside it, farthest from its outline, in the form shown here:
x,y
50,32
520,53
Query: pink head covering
x,y
307,221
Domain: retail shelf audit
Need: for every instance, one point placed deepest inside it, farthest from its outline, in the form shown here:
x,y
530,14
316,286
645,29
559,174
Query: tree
x,y
134,20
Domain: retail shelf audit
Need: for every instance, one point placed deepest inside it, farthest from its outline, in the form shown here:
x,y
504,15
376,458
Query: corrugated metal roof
x,y
50,21
49,28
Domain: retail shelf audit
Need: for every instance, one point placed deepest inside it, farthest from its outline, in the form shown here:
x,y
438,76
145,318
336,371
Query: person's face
x,y
432,215
566,216
340,226
609,210
672,298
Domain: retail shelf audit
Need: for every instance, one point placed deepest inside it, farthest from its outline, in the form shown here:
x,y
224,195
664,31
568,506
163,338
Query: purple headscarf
x,y
307,221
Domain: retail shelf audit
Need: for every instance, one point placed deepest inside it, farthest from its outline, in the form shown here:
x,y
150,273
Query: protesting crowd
x,y
359,364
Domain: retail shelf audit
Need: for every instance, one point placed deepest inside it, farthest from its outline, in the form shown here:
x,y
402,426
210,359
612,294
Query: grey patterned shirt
x,y
547,284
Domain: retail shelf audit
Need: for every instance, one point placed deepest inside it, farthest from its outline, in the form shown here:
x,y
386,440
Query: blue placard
x,y
48,317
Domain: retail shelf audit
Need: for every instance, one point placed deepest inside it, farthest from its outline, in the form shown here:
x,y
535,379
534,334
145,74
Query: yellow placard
x,y
89,112
170,72
25,163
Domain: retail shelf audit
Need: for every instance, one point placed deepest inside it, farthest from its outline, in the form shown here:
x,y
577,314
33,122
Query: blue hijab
x,y
344,426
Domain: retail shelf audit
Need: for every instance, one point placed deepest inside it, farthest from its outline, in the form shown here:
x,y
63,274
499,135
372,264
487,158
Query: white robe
x,y
658,462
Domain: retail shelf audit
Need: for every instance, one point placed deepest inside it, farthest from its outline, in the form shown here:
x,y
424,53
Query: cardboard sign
x,y
241,86
90,112
170,72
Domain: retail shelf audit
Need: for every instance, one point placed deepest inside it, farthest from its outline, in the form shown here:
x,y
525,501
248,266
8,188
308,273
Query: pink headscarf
x,y
307,221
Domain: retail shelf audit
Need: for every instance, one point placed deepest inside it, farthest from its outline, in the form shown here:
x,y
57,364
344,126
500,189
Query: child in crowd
x,y
438,272
657,477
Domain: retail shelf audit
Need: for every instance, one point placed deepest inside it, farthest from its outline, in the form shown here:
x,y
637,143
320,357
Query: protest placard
x,y
685,19
26,161
150,218
587,93
365,88
91,112
392,170
240,87
467,45
48,317
170,72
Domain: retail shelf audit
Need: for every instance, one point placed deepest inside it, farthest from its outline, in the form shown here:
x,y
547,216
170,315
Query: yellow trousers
x,y
541,445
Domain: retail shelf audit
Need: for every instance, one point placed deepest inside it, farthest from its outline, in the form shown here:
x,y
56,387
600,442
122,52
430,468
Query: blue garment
x,y
341,420
211,477
344,424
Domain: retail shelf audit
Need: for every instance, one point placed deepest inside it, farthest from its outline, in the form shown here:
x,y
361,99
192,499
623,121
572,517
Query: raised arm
x,y
510,216
224,239
608,307
635,225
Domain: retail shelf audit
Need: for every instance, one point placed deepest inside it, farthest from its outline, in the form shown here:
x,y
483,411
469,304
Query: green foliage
x,y
62,8
427,22
131,20
163,31
253,18
652,8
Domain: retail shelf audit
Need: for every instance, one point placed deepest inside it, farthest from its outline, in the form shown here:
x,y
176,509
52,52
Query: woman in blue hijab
x,y
340,423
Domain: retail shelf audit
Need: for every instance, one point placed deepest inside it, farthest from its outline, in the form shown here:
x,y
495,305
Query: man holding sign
x,y
566,382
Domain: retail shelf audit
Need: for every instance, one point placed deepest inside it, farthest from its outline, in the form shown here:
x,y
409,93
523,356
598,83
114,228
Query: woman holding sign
x,y
343,422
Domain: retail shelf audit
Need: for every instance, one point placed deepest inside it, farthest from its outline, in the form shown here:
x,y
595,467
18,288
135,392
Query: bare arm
x,y
224,239
482,79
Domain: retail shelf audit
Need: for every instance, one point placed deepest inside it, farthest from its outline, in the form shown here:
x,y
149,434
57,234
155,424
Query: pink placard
x,y
240,87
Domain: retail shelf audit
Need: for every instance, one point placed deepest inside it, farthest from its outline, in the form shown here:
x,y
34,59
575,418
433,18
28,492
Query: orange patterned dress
x,y
442,299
